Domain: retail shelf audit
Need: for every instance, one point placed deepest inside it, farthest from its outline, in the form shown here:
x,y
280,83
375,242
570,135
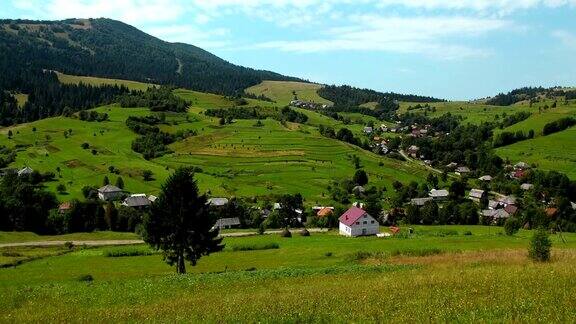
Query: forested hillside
x,y
108,48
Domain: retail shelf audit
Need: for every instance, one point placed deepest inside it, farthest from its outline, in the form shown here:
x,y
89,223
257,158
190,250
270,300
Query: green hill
x,y
112,49
283,91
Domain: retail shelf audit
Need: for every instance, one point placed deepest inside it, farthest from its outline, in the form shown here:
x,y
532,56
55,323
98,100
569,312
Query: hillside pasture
x,y
438,274
95,81
281,91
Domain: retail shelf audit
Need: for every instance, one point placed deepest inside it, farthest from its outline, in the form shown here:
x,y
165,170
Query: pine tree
x,y
180,223
120,182
106,181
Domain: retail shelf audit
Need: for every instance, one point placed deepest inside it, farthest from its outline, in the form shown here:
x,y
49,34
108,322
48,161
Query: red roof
x,y
351,216
511,209
324,212
551,211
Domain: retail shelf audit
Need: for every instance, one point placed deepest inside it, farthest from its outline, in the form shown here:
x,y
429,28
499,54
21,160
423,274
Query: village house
x,y
486,178
511,210
440,195
476,195
109,193
451,165
137,201
25,171
413,151
368,130
420,201
526,186
493,204
507,200
383,128
521,166
227,222
518,174
64,207
495,214
324,212
357,222
217,202
462,170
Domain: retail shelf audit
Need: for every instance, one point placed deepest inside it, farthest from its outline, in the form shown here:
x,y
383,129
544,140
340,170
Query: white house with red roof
x,y
357,222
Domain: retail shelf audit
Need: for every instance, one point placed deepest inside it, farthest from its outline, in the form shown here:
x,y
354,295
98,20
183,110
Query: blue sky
x,y
454,49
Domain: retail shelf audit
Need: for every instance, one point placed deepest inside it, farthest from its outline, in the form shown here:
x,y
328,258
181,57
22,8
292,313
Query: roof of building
x,y
25,170
526,186
439,193
325,211
452,165
573,205
152,198
413,148
507,200
493,204
511,209
109,189
485,178
222,222
495,213
462,169
65,206
359,189
551,211
217,201
137,201
351,216
521,165
420,201
476,193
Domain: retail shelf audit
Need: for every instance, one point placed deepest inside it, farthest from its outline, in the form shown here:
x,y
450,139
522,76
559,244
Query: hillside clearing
x,y
281,91
95,81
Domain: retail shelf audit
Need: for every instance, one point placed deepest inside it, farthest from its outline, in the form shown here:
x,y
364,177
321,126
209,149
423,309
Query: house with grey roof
x,y
462,170
109,193
485,178
526,186
441,194
420,201
138,201
218,202
476,195
227,222
25,171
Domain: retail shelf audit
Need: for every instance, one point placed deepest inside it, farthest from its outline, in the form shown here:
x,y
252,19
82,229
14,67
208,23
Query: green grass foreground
x,y
438,274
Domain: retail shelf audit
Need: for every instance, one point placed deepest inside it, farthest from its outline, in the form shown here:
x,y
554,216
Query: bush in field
x,y
128,252
304,232
86,278
512,226
540,245
69,245
255,247
285,233
467,233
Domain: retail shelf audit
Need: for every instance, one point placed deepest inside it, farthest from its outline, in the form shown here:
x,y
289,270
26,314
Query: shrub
x,y
128,252
512,226
261,229
467,233
69,245
254,247
328,254
86,278
12,254
304,232
540,245
285,233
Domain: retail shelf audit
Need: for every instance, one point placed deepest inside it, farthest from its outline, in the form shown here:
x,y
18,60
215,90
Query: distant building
x,y
324,212
218,202
526,186
507,200
368,130
441,194
138,201
462,170
413,151
420,201
451,166
511,210
227,222
64,207
476,195
521,166
357,222
495,214
109,193
486,178
25,171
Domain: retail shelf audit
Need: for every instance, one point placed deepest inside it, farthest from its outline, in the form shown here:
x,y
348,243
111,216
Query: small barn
x,y
357,222
109,192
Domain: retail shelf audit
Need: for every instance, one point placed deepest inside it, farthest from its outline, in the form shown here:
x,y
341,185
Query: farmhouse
x,y
507,200
356,222
64,207
109,192
462,170
476,195
368,130
25,171
451,165
521,166
495,214
511,210
326,211
413,151
227,222
420,201
218,202
138,201
526,186
485,178
441,194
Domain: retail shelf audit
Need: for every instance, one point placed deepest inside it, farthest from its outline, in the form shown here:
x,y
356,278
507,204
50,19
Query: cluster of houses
x,y
307,104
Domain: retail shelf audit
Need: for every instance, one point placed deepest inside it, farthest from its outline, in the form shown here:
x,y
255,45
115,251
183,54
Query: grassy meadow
x,y
95,81
281,91
238,159
437,274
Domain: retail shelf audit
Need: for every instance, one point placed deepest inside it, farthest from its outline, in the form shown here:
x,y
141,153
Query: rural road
x,y
131,242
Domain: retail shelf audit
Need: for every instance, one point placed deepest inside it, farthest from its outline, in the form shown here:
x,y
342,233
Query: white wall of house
x,y
365,225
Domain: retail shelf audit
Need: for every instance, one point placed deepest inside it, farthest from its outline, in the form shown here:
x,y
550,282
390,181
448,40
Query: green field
x,y
540,118
237,160
553,152
473,113
75,79
281,91
438,274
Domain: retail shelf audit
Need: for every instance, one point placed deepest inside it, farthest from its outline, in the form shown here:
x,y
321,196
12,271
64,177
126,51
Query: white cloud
x,y
567,38
430,36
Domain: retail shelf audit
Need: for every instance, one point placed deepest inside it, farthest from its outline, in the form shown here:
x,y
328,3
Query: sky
x,y
452,49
